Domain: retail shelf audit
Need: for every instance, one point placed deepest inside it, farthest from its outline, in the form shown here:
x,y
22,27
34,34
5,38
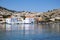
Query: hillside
x,y
5,11
51,14
45,15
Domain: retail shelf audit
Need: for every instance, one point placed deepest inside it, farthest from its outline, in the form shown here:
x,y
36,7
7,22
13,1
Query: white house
x,y
52,19
11,20
15,20
29,20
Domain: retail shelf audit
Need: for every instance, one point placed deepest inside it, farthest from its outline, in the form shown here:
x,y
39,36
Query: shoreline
x,y
32,23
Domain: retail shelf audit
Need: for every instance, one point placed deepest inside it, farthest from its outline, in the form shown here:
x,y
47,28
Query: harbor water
x,y
45,31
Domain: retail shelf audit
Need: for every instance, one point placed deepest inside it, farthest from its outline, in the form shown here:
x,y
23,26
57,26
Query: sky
x,y
30,5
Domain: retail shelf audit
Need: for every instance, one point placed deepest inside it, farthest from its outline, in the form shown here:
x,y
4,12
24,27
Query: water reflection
x,y
39,28
2,27
24,28
29,31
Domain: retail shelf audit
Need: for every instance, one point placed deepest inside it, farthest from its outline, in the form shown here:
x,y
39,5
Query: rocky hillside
x,y
51,14
46,15
5,11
